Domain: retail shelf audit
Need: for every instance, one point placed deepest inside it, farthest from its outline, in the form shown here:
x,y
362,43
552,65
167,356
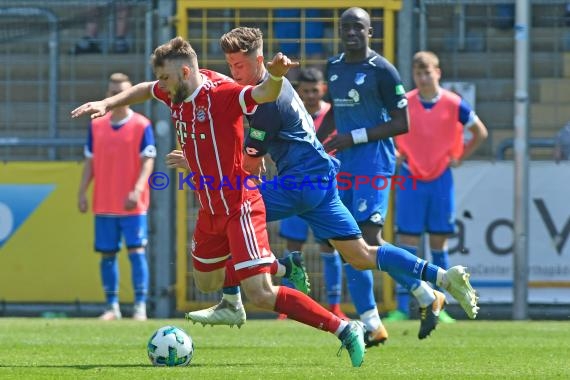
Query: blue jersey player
x,y
369,108
306,186
311,89
366,92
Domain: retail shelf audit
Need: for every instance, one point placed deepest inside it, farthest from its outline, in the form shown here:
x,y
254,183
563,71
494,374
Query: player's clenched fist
x,y
280,64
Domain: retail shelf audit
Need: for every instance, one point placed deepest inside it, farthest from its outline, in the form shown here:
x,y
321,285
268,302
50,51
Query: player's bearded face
x,y
181,91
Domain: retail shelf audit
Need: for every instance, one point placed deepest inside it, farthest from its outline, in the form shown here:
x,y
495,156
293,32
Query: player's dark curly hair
x,y
175,49
242,39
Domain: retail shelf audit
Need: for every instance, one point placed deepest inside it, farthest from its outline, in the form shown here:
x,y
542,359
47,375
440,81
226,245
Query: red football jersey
x,y
209,127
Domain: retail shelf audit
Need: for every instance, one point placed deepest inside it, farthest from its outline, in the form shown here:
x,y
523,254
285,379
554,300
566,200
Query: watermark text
x,y
342,181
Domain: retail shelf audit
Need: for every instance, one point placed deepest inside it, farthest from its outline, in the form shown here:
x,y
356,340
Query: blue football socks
x,y
139,275
332,273
441,259
109,268
231,290
404,284
361,287
397,261
232,294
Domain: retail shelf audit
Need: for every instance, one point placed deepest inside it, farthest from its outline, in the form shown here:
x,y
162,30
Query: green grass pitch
x,y
87,349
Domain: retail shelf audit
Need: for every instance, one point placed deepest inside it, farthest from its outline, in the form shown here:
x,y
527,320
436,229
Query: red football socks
x,y
304,309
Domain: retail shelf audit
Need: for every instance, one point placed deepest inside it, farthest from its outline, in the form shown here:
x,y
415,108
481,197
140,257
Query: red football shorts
x,y
242,234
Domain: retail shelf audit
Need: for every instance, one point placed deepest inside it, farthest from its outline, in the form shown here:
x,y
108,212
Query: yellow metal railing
x,y
203,22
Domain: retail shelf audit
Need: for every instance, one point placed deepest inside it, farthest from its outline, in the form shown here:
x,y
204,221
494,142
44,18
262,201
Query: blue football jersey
x,y
363,94
285,130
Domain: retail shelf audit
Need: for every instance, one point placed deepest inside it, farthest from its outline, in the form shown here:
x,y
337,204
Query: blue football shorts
x,y
110,228
368,202
319,205
294,228
430,207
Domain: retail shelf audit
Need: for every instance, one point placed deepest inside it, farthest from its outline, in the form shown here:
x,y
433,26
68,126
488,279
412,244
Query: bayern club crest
x,y
201,113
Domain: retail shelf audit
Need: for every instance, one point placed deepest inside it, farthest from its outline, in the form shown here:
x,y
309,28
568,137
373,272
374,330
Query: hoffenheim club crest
x,y
359,78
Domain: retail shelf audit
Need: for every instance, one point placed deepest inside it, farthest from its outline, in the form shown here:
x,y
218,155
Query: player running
x,y
286,131
206,109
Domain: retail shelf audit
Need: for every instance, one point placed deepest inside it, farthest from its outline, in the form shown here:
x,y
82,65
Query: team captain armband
x,y
359,136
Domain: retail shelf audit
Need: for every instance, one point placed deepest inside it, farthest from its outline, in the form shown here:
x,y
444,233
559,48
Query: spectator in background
x,y
91,43
562,144
434,144
119,157
311,89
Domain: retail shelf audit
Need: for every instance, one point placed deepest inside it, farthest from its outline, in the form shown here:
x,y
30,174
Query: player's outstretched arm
x,y
269,90
136,94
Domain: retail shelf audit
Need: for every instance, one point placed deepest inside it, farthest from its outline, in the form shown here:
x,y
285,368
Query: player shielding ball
x,y
291,141
206,109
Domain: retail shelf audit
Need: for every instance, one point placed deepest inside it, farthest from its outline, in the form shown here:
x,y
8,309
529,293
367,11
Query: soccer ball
x,y
170,346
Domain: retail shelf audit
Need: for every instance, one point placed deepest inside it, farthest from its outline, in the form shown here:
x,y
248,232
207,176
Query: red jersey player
x,y
206,108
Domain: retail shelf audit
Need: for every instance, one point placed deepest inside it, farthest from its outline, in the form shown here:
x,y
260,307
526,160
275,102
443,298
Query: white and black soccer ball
x,y
170,346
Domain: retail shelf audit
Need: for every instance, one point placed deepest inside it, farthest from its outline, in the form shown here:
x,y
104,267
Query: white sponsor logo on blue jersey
x,y
354,95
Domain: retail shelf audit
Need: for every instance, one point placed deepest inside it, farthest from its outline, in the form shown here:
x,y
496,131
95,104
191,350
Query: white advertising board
x,y
484,239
